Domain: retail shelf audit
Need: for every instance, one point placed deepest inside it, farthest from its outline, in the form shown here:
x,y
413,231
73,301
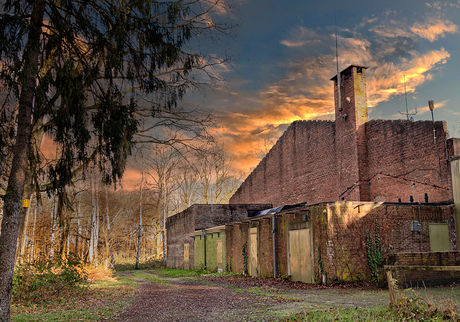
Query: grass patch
x,y
179,273
371,314
408,307
277,298
411,306
174,273
101,299
130,264
150,278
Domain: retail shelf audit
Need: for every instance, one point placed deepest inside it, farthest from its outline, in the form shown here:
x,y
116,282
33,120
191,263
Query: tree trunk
x,y
94,226
64,222
78,227
36,140
108,251
139,235
24,211
23,240
32,252
13,198
53,210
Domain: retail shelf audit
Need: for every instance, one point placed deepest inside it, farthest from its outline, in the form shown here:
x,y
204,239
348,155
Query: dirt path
x,y
217,299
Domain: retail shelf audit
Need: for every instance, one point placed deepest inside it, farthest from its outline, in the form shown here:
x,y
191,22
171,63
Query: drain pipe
x,y
275,273
203,232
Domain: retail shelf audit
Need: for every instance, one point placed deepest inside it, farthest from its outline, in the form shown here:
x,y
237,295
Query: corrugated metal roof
x,y
276,210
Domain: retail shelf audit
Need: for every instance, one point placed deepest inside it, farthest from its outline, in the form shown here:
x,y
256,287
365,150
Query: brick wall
x,y
265,247
352,158
350,148
237,237
424,278
299,168
403,161
339,235
346,239
215,215
181,227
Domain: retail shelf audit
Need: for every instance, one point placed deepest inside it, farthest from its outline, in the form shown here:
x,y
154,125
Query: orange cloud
x,y
258,118
432,29
388,78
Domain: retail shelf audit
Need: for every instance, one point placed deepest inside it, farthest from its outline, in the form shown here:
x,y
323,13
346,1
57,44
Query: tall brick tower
x,y
350,118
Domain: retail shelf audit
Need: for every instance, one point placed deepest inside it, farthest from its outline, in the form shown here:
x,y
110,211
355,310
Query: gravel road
x,y
238,299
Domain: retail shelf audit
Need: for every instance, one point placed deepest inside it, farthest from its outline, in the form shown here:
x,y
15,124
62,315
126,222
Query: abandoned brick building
x,y
352,158
341,176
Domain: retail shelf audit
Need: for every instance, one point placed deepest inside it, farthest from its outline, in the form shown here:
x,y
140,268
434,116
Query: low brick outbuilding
x,y
181,227
333,238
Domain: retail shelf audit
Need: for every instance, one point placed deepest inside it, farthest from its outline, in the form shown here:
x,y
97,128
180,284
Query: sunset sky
x,y
285,55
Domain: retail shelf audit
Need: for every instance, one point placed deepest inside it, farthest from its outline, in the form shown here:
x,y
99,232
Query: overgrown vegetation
x,y
410,306
105,295
413,307
244,253
320,262
43,279
338,314
102,297
373,250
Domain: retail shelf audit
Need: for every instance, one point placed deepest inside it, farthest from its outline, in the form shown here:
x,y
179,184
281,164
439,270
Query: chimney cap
x,y
348,68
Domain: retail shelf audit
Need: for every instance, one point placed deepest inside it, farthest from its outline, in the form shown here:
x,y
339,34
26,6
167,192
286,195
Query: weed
x,y
100,300
410,305
373,250
44,279
285,278
244,252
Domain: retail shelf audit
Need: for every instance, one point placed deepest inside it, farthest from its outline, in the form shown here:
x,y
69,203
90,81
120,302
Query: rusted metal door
x,y
253,252
439,237
186,256
300,255
219,257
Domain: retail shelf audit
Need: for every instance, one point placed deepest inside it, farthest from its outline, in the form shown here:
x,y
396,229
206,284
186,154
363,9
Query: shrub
x,y
415,308
43,279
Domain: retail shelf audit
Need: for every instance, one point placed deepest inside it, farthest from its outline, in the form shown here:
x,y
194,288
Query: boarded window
x,y
439,237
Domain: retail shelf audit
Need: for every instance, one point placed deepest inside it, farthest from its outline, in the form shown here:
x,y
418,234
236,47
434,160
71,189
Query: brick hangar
x,y
326,190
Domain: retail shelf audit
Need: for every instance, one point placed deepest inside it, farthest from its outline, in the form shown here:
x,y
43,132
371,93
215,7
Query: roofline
x,y
351,66
377,204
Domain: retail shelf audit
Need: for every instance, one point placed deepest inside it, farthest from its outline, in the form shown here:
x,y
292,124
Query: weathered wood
x,y
421,268
391,287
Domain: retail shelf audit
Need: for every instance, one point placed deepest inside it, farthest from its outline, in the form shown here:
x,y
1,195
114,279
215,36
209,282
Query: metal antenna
x,y
405,96
408,115
339,91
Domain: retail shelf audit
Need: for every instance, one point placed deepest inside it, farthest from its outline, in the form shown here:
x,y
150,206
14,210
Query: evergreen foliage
x,y
98,59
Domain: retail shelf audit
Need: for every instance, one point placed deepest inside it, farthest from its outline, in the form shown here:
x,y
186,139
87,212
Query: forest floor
x,y
178,295
237,298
